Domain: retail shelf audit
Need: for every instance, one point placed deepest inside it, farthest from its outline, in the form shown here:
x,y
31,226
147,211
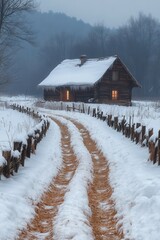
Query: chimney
x,y
83,59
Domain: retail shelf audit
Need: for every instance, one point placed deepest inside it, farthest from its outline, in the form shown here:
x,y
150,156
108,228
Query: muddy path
x,y
102,220
42,225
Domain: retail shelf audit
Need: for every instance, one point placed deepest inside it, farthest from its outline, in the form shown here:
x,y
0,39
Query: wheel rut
x,y
41,227
103,220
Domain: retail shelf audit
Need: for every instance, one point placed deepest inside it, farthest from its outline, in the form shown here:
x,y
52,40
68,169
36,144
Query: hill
x,y
28,65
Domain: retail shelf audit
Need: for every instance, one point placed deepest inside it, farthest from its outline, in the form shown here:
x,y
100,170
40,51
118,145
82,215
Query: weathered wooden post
x,y
88,110
29,145
79,108
155,151
116,123
73,107
127,130
158,147
17,146
109,120
23,154
61,105
143,133
150,133
101,115
152,156
3,163
138,132
94,112
123,125
7,155
83,109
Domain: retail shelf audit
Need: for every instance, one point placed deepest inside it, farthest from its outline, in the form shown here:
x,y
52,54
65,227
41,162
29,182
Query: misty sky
x,y
111,13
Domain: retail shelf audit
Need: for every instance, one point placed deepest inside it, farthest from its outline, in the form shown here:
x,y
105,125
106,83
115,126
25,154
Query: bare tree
x,y
11,17
13,27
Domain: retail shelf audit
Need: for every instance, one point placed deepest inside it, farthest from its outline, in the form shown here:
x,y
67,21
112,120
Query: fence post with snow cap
x,y
6,153
17,145
138,131
29,144
3,163
115,123
23,153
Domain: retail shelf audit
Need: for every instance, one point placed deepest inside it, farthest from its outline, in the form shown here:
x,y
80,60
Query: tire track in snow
x,y
72,219
57,213
41,228
103,219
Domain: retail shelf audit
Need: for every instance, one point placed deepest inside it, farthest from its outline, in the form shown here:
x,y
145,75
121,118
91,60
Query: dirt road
x,y
102,220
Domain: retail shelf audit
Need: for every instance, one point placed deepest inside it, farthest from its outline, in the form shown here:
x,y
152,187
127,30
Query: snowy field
x,y
14,125
136,182
144,112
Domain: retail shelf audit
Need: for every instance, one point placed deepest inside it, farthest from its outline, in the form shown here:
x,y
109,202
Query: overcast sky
x,y
111,13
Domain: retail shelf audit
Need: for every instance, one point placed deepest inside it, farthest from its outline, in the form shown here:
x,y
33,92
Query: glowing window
x,y
114,94
68,94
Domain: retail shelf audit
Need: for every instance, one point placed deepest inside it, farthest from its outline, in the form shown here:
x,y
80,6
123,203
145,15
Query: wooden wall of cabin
x,y
76,95
83,95
123,85
51,95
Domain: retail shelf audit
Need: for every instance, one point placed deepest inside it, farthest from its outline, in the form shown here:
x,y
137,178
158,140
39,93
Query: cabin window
x,y
115,76
114,94
68,95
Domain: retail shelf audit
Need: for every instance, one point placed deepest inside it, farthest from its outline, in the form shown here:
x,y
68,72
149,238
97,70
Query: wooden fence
x,y
135,132
21,150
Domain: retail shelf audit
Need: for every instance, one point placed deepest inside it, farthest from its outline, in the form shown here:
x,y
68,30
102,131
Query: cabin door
x,y
67,95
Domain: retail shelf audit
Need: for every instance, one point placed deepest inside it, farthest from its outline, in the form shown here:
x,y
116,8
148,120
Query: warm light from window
x,y
114,94
67,94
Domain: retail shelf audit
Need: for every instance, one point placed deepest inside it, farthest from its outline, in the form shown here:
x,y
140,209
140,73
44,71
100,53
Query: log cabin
x,y
100,80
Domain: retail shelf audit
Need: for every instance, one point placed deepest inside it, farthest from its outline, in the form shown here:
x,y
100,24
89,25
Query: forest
x,y
57,37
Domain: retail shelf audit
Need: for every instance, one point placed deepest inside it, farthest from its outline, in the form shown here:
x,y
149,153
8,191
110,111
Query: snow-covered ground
x,y
136,182
14,125
18,193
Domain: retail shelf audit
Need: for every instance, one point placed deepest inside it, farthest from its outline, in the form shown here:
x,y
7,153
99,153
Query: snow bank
x,y
18,193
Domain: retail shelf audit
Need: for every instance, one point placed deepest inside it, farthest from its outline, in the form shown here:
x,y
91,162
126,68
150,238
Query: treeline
x,y
137,44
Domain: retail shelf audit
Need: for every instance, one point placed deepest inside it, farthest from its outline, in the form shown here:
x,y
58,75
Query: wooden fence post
x,y
94,112
116,123
138,131
123,125
143,133
7,155
88,110
61,105
29,145
23,154
73,107
150,133
83,110
132,132
17,146
158,147
101,115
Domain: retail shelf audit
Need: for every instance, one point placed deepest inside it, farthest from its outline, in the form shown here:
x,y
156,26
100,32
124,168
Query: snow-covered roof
x,y
72,73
